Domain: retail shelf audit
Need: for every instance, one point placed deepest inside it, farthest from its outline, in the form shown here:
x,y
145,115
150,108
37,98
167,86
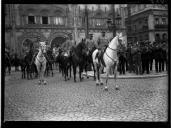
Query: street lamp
x,y
111,26
118,22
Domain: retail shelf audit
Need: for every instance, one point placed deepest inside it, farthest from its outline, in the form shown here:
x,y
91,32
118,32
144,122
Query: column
x,y
150,22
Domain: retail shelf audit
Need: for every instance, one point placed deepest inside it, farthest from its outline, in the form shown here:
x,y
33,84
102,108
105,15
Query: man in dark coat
x,y
145,56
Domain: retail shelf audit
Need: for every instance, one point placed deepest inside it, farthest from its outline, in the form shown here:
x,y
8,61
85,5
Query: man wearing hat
x,y
66,45
101,45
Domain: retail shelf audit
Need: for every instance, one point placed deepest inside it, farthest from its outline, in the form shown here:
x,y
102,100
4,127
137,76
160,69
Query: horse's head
x,y
43,47
120,39
84,48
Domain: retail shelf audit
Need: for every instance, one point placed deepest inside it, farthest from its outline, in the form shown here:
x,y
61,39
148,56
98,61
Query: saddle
x,y
99,56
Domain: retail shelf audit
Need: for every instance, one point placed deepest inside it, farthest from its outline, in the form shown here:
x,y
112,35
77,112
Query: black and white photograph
x,y
86,62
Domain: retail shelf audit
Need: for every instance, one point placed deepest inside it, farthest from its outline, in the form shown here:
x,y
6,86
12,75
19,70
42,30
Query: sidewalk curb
x,y
130,77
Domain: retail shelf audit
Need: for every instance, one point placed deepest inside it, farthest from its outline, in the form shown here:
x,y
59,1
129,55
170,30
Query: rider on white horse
x,y
40,62
101,45
110,59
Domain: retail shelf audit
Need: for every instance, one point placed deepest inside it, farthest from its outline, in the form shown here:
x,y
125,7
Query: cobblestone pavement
x,y
136,100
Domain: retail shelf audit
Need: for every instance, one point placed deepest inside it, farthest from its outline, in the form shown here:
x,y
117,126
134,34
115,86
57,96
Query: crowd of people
x,y
137,57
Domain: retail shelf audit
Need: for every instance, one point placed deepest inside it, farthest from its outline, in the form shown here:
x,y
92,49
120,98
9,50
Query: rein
x,y
38,59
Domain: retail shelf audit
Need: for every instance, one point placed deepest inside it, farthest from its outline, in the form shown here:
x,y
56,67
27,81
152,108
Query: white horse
x,y
110,59
40,62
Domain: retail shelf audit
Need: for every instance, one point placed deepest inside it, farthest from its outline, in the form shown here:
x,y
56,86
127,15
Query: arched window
x,y
157,37
164,36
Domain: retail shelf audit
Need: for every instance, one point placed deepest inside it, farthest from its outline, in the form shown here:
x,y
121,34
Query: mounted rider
x,y
90,42
101,45
66,46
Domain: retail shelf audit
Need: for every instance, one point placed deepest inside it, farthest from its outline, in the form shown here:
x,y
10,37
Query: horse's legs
x,y
115,74
43,71
38,71
107,77
70,70
96,73
74,72
80,70
100,70
52,69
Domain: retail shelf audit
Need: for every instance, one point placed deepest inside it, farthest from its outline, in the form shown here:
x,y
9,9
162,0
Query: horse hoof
x,y
97,84
106,89
117,88
101,83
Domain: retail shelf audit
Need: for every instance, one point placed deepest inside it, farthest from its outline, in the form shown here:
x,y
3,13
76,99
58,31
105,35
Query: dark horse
x,y
28,66
78,55
65,62
50,62
7,63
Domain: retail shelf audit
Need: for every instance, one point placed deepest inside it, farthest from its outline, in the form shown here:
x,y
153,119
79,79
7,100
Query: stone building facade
x,y
26,23
147,21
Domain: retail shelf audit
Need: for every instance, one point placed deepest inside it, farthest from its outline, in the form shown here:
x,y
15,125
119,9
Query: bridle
x,y
112,50
43,56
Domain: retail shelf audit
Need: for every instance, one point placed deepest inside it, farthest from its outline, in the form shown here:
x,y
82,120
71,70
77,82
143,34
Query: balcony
x,y
45,26
161,26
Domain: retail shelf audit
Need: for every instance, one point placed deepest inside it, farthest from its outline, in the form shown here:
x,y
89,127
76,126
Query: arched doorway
x,y
57,41
164,36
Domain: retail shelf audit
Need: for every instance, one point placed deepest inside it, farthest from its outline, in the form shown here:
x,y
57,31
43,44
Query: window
x,y
156,20
164,36
58,21
98,22
163,20
31,20
157,37
44,20
141,6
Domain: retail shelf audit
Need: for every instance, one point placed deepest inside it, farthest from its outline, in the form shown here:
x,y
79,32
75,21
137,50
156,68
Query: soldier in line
x,y
122,59
163,60
145,56
157,56
129,58
137,58
151,54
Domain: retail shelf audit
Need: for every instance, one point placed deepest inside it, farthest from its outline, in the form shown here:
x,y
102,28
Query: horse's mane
x,y
77,50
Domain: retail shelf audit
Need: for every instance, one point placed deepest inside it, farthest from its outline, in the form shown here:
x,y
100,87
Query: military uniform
x,y
66,46
158,56
145,56
151,56
164,54
136,57
90,44
101,44
129,58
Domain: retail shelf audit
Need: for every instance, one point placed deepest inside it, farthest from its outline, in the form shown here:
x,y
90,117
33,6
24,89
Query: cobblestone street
x,y
137,100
